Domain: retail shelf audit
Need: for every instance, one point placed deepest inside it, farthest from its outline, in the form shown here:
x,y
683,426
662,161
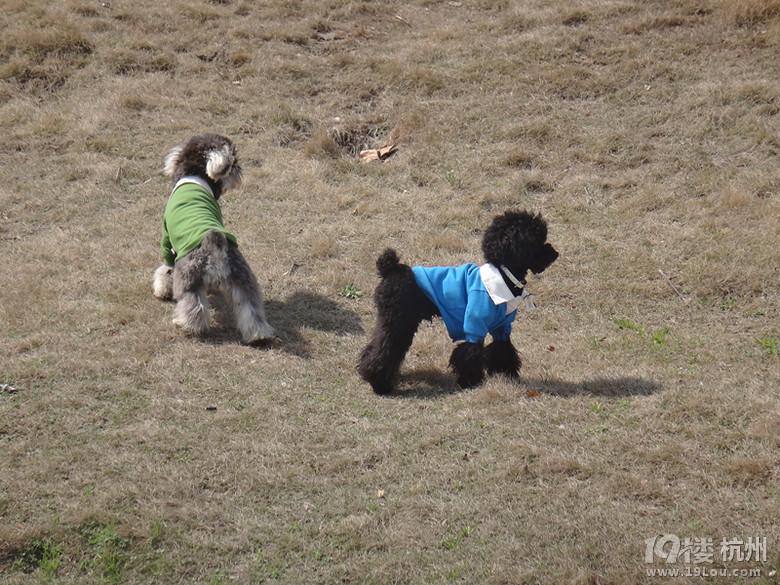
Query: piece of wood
x,y
382,153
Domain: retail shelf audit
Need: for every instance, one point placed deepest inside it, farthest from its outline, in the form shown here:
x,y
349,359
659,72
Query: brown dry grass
x,y
646,132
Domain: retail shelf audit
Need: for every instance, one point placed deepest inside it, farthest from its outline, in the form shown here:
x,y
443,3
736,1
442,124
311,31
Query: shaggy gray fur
x,y
216,265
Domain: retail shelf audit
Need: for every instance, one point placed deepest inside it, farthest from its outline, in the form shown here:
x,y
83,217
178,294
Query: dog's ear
x,y
172,160
219,162
546,256
222,166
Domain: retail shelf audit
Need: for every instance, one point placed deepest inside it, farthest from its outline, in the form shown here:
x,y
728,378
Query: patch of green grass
x,y
630,325
269,568
349,291
771,345
455,538
659,338
454,179
755,313
156,532
106,551
599,430
43,556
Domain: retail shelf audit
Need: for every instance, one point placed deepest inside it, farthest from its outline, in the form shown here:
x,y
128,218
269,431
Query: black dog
x,y
473,301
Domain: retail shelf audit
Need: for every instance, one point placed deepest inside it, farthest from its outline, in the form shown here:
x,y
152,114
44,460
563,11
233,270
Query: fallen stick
x,y
674,288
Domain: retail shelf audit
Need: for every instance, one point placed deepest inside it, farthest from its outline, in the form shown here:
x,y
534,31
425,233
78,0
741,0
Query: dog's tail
x,y
387,262
214,241
215,246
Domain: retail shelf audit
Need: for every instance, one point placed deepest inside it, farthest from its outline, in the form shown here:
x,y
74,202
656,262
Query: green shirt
x,y
191,212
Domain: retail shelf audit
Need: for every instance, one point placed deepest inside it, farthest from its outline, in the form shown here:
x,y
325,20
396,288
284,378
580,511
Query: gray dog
x,y
199,254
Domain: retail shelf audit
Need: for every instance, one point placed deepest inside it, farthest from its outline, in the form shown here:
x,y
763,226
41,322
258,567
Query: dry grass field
x,y
646,132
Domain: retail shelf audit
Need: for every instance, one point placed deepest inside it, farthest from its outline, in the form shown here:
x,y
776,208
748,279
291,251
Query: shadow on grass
x,y
307,310
432,384
427,384
300,310
608,386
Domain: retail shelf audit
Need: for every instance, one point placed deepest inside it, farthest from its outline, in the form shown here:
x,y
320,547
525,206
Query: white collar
x,y
196,180
499,291
518,283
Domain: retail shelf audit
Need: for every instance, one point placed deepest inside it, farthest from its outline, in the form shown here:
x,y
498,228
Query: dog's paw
x,y
162,285
266,342
468,380
259,334
383,385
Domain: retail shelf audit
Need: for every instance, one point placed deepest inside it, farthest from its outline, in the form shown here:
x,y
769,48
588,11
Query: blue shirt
x,y
467,307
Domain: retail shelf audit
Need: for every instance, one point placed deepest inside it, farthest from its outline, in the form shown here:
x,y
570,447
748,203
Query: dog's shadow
x,y
305,310
431,384
288,318
608,387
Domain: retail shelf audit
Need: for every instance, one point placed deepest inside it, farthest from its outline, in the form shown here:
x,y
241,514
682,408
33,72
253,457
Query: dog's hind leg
x,y
381,359
192,312
243,294
401,306
468,363
501,358
249,313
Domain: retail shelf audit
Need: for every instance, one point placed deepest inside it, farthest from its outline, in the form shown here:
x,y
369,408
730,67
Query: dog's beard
x,y
232,179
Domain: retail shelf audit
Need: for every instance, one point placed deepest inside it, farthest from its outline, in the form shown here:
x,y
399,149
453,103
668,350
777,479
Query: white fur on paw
x,y
163,283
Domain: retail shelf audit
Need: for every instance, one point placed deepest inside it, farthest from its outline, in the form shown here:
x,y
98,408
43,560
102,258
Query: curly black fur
x,y
401,306
468,362
387,262
515,239
501,358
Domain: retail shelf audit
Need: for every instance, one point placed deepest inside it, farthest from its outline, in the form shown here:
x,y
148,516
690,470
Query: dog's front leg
x,y
468,363
163,283
501,358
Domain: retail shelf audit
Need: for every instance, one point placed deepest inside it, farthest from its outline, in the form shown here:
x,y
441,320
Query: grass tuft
x,y
749,12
